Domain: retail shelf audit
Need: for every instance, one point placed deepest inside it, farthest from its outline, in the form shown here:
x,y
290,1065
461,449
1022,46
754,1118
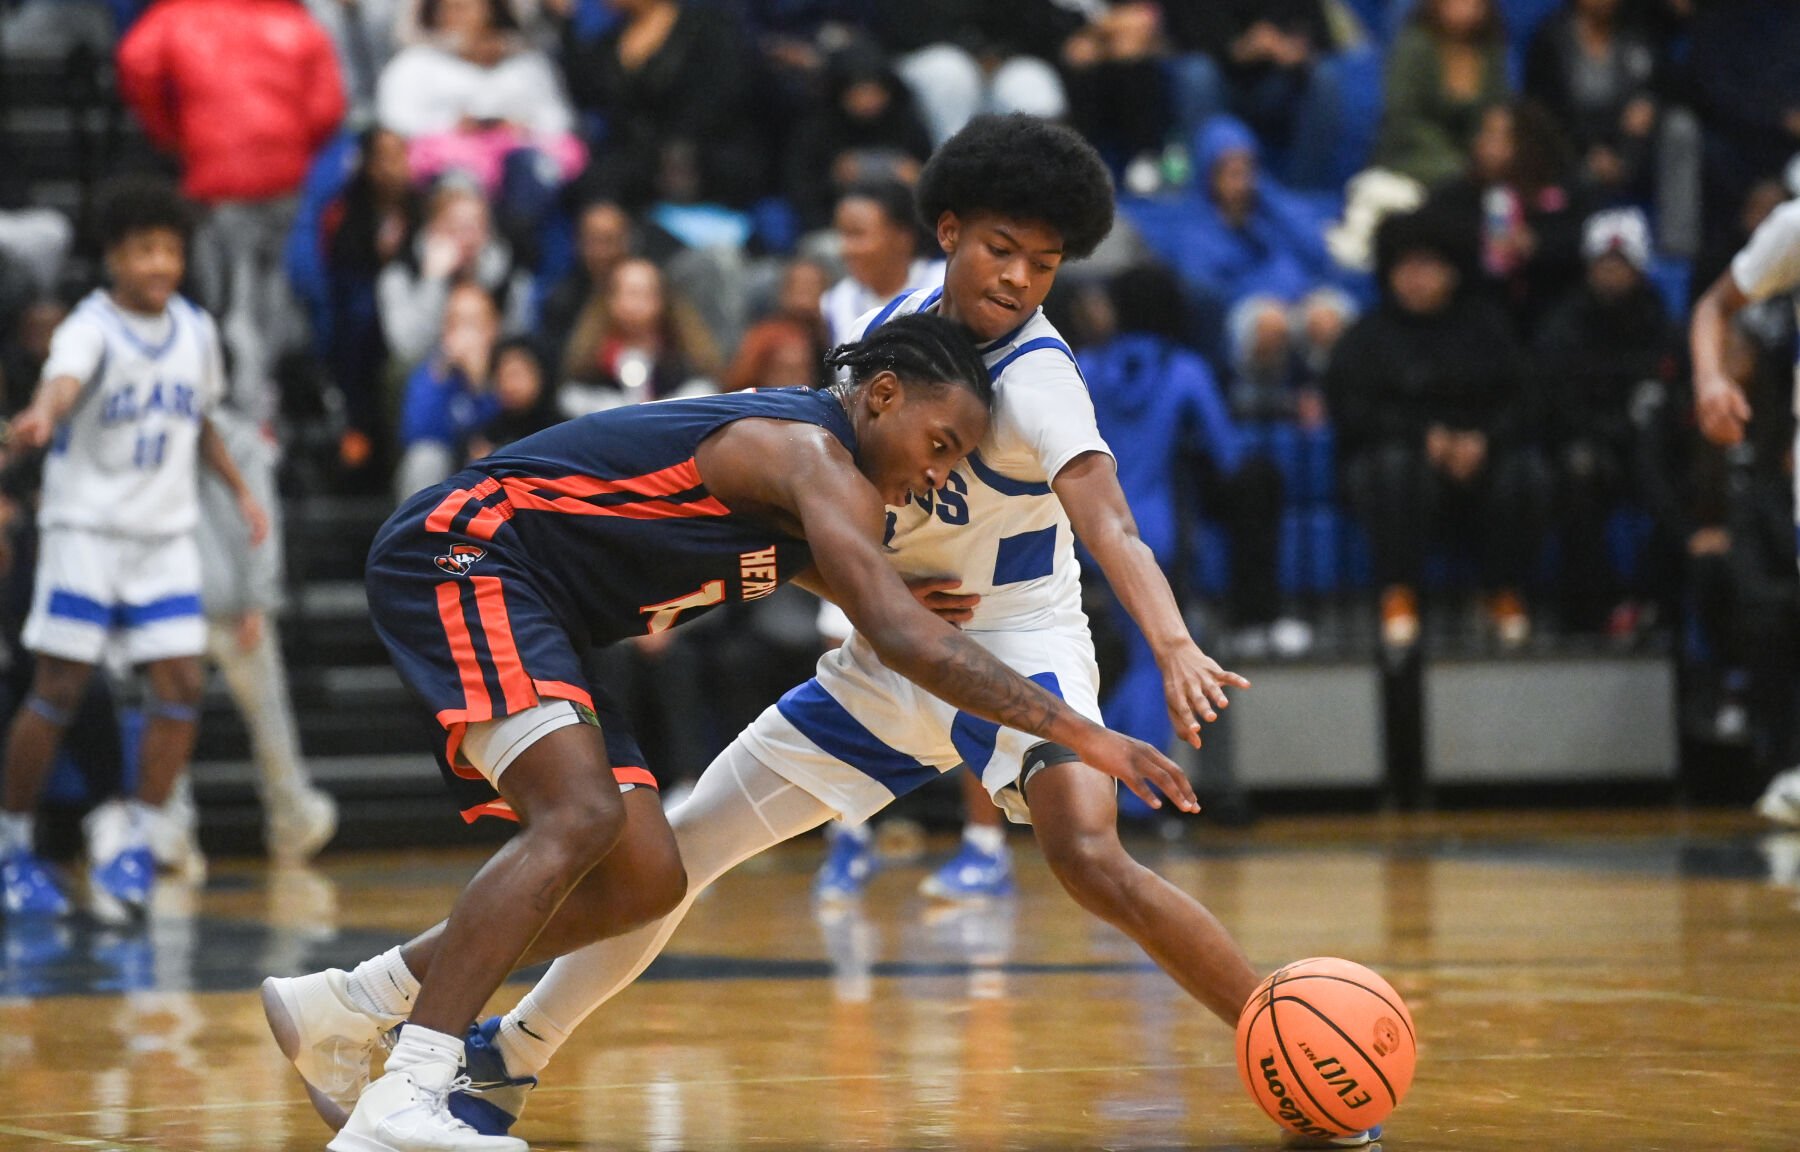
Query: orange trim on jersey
x,y
663,482
446,511
632,774
489,520
558,690
476,705
490,602
521,493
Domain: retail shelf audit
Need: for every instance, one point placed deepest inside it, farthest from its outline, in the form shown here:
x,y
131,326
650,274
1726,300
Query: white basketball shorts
x,y
97,588
858,735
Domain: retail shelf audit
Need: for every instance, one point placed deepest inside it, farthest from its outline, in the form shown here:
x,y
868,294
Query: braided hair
x,y
922,350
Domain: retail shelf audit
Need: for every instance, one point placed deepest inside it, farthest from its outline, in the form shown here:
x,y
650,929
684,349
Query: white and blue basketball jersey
x,y
859,734
996,522
125,460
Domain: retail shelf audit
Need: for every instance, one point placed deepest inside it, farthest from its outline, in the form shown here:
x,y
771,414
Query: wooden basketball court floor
x,y
1580,981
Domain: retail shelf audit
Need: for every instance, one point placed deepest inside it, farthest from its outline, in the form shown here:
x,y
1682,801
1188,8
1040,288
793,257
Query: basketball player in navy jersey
x,y
485,588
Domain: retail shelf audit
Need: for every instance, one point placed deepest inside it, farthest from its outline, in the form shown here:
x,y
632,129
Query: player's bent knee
x,y
178,682
664,891
592,829
575,829
1087,863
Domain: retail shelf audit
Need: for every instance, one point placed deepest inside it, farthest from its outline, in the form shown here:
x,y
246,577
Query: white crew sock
x,y
384,987
421,1046
988,839
528,1038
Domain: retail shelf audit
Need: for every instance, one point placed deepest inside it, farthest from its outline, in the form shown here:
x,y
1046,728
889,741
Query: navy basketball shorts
x,y
474,639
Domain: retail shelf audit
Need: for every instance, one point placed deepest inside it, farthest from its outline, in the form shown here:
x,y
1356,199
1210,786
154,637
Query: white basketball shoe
x,y
330,1041
1780,802
407,1111
299,823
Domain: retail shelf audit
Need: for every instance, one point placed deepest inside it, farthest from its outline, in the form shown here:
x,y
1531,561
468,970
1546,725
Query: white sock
x,y
18,832
528,1038
421,1046
384,987
988,839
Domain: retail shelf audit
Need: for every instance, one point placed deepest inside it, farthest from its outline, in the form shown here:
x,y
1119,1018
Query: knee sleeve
x,y
175,710
61,717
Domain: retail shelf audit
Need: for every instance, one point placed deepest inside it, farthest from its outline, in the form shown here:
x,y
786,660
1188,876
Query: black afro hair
x,y
137,204
1026,168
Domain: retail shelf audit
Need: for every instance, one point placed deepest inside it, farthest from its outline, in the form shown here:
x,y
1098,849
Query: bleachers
x,y
359,729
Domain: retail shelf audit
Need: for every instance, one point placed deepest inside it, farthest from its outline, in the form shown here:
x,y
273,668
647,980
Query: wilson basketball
x,y
1326,1047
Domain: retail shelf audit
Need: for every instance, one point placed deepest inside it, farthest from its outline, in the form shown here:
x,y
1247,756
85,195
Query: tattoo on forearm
x,y
975,680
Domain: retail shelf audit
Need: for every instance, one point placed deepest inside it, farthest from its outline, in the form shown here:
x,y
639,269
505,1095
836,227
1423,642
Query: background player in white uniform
x,y
1769,265
1011,197
122,406
879,245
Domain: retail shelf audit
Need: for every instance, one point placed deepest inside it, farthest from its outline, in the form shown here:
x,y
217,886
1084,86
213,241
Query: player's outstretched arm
x,y
818,490
215,455
1193,682
50,405
1719,402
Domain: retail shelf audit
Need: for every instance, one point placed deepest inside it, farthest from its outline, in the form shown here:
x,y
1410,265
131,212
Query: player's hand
x,y
31,428
255,518
937,595
1721,408
1194,689
1139,767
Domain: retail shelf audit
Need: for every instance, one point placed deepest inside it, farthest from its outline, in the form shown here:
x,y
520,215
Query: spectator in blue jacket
x,y
1255,253
448,396
1157,397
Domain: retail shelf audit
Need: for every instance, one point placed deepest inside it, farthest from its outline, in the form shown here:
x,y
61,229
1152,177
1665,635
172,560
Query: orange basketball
x,y
1326,1047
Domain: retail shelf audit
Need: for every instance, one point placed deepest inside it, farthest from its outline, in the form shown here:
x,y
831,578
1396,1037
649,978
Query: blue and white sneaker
x,y
29,888
1294,1140
491,1100
971,874
120,886
121,866
848,866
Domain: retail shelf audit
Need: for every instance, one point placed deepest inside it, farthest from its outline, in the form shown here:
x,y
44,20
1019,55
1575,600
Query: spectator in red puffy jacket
x,y
245,92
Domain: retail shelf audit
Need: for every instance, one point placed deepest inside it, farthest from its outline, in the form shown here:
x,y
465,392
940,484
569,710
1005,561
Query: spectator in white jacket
x,y
473,66
457,242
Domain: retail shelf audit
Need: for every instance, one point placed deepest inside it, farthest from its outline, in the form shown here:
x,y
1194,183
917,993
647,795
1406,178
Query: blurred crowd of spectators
x,y
1393,303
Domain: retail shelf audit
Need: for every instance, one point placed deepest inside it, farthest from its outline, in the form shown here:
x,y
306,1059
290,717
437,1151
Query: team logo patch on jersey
x,y
460,559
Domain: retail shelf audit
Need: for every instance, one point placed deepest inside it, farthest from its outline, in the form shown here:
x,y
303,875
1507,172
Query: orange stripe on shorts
x,y
490,601
476,705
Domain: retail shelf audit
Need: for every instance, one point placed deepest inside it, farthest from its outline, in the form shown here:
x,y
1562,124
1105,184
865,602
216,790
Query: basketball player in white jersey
x,y
1769,265
1012,197
122,407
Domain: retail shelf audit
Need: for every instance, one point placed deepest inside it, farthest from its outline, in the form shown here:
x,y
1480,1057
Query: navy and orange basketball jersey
x,y
487,588
609,515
